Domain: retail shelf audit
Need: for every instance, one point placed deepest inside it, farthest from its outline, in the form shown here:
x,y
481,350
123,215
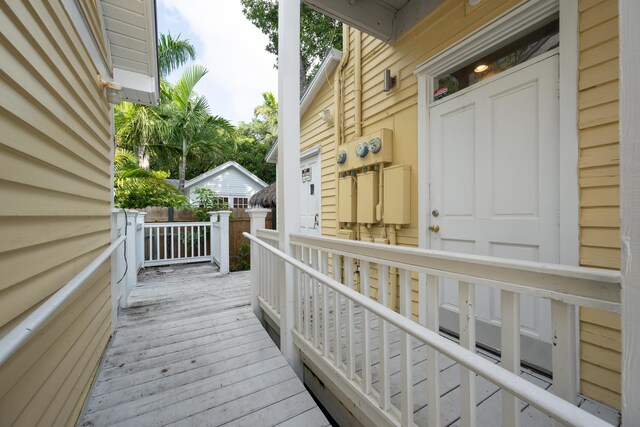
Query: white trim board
x,y
630,207
496,33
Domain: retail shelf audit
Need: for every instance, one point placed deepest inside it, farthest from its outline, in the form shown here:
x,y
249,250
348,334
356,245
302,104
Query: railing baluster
x,y
297,292
510,352
406,366
314,301
350,346
307,279
192,242
199,227
467,320
164,235
366,320
336,311
383,298
179,243
563,351
173,248
158,243
206,233
433,365
324,269
149,256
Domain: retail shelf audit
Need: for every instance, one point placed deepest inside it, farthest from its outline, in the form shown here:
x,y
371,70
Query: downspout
x,y
357,63
337,96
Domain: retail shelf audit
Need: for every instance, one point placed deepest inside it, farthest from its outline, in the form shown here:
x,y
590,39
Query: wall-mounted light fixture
x,y
326,116
389,81
113,90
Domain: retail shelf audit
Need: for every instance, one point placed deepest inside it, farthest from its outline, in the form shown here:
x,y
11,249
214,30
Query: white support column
x,y
630,207
224,240
131,276
117,266
214,245
140,240
258,218
288,163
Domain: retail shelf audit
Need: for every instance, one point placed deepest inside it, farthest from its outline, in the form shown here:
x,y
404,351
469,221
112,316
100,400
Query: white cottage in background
x,y
231,182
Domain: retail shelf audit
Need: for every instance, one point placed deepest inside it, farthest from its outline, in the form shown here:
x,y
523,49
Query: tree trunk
x,y
183,166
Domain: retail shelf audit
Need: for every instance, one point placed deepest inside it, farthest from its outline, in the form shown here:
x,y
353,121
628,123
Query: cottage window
x,y
529,46
240,202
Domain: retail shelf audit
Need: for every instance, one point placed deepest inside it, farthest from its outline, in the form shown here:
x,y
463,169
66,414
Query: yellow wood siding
x,y
600,336
598,135
55,210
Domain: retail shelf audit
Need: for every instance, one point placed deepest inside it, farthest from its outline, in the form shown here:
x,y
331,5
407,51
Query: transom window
x,y
533,44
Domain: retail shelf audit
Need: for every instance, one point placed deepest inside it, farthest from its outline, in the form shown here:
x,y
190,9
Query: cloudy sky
x,y
230,47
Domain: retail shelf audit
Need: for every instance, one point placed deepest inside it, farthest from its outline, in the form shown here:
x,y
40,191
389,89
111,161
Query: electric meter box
x,y
347,198
368,185
368,150
397,194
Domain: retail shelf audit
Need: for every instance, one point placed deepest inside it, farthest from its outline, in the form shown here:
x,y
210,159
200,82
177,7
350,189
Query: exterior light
x,y
326,116
481,68
389,81
113,90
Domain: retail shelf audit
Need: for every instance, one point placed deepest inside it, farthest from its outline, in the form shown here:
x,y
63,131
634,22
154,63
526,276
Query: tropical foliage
x,y
173,53
136,187
206,201
318,33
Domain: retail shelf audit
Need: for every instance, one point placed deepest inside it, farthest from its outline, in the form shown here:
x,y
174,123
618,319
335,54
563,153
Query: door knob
x,y
435,228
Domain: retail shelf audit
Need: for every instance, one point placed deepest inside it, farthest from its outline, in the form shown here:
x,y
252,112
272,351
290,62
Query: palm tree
x,y
137,128
190,126
173,52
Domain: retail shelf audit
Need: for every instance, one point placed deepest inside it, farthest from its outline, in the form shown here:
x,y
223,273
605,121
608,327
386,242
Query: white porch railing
x,y
325,306
188,242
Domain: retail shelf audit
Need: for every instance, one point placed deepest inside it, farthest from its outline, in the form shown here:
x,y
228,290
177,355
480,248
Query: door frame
x,y
505,27
315,152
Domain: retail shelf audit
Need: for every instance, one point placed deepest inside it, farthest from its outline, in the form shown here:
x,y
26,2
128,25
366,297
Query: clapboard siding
x,y
598,138
599,180
315,132
55,212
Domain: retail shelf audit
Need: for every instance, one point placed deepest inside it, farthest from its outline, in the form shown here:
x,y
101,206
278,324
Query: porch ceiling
x,y
130,28
386,20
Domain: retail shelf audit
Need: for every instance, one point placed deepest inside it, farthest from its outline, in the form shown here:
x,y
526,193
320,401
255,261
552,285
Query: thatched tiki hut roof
x,y
265,198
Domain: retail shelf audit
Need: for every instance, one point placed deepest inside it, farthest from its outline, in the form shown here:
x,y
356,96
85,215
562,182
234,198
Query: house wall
x,y
229,182
397,110
54,210
599,136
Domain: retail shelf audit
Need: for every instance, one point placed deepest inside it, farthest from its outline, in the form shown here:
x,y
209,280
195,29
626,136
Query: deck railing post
x,y
223,218
258,220
140,240
131,276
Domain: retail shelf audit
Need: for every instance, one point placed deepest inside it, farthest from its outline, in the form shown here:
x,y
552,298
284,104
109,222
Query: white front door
x,y
493,168
310,194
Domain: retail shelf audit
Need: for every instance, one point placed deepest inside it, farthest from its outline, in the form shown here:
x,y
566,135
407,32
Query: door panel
x,y
310,195
493,172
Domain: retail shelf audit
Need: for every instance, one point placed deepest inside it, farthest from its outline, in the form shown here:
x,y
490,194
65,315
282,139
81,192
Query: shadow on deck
x,y
189,351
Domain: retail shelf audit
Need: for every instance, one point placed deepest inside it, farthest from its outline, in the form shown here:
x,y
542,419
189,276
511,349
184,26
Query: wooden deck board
x,y
189,351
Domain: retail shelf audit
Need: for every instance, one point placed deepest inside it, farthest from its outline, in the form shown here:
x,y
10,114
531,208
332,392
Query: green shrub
x,y
206,201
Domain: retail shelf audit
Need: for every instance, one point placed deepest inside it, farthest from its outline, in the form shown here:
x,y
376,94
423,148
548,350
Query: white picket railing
x,y
324,306
170,243
177,243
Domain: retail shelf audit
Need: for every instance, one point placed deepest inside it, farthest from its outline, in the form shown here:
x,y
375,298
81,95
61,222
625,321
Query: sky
x,y
230,47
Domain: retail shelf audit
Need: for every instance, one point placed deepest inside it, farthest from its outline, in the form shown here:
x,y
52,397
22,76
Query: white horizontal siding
x,y
229,182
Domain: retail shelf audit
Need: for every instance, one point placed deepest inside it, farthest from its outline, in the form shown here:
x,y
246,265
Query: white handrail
x,y
587,287
548,403
33,323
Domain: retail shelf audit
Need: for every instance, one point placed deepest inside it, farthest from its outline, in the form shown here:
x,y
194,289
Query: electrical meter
x,y
375,145
362,149
341,157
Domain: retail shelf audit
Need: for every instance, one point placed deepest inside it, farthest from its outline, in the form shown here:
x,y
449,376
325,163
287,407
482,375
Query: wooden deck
x,y
191,352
